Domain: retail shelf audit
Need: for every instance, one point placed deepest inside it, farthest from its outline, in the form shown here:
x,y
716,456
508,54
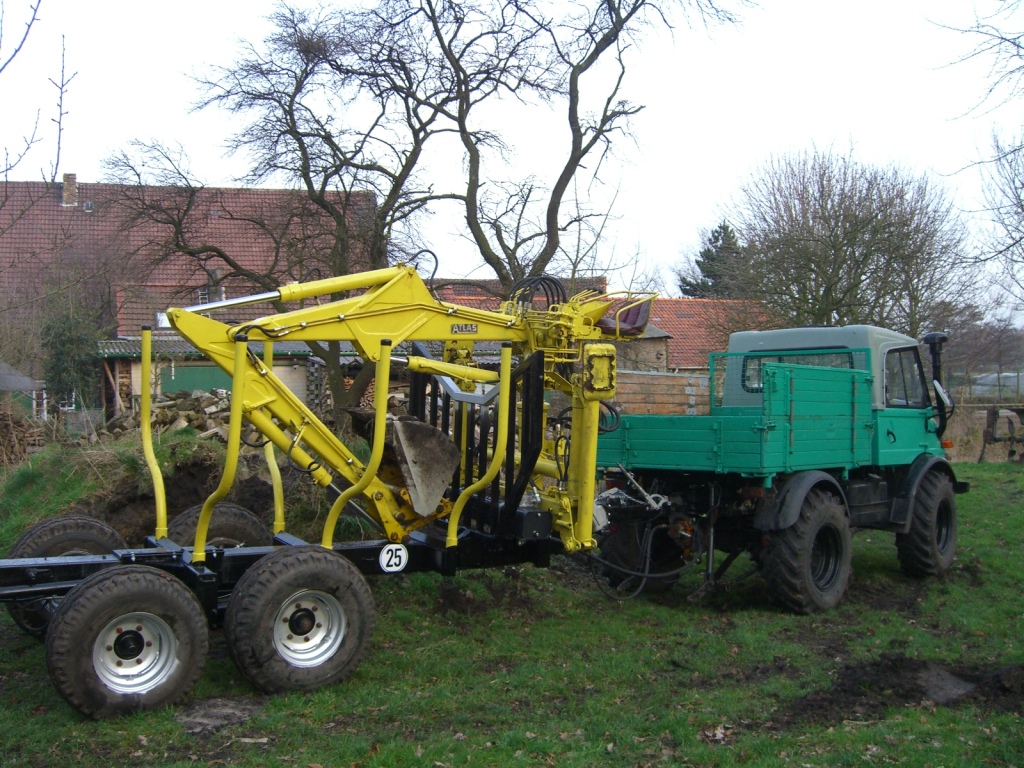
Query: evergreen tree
x,y
71,367
707,280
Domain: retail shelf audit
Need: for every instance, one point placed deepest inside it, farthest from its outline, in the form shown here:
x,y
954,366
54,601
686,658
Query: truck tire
x,y
929,547
299,619
623,549
127,639
807,566
57,536
230,526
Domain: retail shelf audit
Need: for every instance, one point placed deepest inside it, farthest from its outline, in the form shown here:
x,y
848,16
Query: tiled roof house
x,y
73,234
697,328
125,252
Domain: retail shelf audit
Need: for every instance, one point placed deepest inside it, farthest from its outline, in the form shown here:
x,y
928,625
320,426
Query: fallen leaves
x,y
718,735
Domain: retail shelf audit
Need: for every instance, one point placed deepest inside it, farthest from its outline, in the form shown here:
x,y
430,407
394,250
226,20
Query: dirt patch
x,y
866,691
888,595
131,510
574,572
208,715
507,592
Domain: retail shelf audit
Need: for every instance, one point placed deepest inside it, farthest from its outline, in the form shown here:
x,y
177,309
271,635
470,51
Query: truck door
x,y
905,428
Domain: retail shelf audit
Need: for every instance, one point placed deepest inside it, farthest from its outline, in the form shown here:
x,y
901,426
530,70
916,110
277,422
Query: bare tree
x,y
999,40
348,101
8,53
13,158
166,214
351,99
1004,197
17,343
829,241
984,344
154,185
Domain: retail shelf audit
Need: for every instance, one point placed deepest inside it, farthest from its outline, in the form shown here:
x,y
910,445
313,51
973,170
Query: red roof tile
x,y
53,238
697,326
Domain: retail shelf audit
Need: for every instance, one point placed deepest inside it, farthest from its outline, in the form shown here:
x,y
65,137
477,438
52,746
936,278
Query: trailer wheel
x,y
299,619
230,526
127,639
929,547
807,566
55,537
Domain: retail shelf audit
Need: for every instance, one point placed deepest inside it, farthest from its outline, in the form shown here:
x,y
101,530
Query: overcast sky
x,y
875,78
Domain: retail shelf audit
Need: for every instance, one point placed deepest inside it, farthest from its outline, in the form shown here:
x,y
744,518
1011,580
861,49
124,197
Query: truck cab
x,y
902,420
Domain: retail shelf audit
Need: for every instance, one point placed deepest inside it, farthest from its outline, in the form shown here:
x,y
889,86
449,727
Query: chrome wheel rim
x,y
309,628
135,653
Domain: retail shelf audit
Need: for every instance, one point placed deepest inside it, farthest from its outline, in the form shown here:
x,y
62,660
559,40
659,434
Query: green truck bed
x,y
810,417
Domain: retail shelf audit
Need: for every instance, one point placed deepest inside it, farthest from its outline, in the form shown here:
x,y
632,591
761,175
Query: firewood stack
x,y
18,438
204,412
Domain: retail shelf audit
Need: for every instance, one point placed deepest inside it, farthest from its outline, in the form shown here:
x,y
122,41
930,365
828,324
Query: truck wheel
x,y
230,526
807,566
299,619
929,547
127,639
58,536
624,548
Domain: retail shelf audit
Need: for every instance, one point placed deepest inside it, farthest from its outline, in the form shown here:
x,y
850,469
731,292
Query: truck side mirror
x,y
935,340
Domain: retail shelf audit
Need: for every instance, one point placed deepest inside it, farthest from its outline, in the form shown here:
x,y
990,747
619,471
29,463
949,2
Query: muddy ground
x,y
131,511
860,691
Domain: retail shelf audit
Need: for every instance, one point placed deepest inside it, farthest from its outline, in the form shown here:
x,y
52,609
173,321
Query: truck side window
x,y
904,379
829,359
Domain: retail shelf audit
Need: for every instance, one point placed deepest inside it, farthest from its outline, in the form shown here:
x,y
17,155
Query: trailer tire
x,y
128,639
231,525
299,619
929,547
55,537
807,566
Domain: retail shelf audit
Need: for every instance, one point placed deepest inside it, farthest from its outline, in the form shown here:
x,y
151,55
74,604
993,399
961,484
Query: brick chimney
x,y
69,192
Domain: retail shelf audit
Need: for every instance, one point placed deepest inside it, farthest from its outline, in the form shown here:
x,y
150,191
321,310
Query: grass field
x,y
530,667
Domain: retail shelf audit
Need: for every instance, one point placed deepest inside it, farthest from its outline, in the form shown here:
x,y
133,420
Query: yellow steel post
x,y
380,414
231,452
500,441
268,452
582,475
147,435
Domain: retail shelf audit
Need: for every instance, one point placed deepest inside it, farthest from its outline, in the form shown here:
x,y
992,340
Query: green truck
x,y
812,432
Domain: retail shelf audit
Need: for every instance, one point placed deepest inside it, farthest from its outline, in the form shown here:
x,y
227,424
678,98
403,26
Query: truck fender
x,y
903,502
784,510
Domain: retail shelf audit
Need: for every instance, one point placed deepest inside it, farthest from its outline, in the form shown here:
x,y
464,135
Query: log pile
x,y
19,437
204,412
207,413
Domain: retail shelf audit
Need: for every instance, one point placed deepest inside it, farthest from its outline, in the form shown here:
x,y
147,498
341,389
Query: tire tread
x,y
97,600
783,566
